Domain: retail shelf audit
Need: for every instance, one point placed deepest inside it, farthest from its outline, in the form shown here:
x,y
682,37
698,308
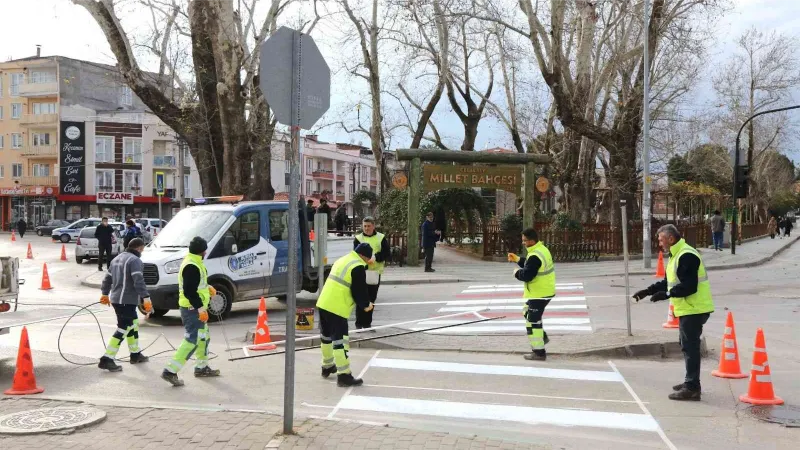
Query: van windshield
x,y
190,223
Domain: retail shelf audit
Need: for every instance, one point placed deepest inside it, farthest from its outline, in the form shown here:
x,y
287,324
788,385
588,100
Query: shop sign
x,y
28,190
115,198
446,176
72,159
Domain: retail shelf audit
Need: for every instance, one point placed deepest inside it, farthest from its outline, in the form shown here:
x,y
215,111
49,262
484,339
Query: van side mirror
x,y
229,244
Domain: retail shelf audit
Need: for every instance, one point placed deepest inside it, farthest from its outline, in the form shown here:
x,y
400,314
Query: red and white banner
x,y
115,198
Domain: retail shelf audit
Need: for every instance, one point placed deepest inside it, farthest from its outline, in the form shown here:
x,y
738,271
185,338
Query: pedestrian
x,y
787,226
310,211
122,288
345,289
780,227
429,237
772,227
717,229
194,296
375,266
537,273
131,232
340,219
688,290
22,227
104,234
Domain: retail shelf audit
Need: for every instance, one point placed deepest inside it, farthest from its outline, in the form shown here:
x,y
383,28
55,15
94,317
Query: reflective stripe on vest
x,y
701,301
336,296
202,288
374,241
544,284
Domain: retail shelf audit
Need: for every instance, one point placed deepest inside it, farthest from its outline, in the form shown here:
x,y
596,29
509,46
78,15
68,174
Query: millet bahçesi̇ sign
x,y
506,178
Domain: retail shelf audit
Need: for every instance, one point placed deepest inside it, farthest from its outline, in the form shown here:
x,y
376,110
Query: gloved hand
x,y
515,272
513,258
203,315
147,305
105,300
640,295
370,307
658,296
212,291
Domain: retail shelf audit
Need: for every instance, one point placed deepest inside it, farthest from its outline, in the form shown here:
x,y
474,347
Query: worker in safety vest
x,y
194,296
688,290
537,272
380,253
345,288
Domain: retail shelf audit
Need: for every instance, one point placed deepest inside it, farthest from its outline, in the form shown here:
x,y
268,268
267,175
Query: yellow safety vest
x,y
698,303
336,296
544,284
374,241
202,289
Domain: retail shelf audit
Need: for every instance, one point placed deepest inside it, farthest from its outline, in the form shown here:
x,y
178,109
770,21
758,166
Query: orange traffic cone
x,y
760,391
311,235
672,321
13,236
660,272
24,378
30,252
63,252
262,341
729,355
45,279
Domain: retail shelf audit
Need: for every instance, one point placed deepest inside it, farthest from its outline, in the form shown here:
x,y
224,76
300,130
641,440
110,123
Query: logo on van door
x,y
241,262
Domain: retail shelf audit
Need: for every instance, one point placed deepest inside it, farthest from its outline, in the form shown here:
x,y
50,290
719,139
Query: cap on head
x,y
198,245
364,250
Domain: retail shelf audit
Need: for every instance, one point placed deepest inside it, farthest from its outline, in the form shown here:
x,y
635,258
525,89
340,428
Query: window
x,y
186,188
42,77
287,165
16,110
132,182
2,171
278,225
125,96
1,110
104,149
132,150
44,108
2,139
16,170
318,187
104,180
308,187
16,140
41,139
16,80
41,170
1,86
363,174
353,188
309,165
245,231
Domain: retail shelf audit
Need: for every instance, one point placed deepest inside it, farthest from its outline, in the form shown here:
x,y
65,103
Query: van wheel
x,y
79,260
220,304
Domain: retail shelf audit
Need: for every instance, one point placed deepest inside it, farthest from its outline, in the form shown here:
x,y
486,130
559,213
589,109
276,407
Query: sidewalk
x,y
149,428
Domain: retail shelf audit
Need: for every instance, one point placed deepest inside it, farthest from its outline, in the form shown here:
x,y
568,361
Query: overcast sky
x,y
68,30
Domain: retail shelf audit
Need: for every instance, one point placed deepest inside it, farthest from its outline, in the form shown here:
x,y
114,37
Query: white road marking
x,y
501,329
516,288
554,416
644,409
508,308
547,321
519,300
350,389
503,286
490,369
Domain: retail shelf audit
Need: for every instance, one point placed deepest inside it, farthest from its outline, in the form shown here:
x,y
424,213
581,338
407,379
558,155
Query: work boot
x,y
108,364
100,268
685,394
138,357
327,371
171,378
535,357
347,380
430,270
546,339
678,387
206,372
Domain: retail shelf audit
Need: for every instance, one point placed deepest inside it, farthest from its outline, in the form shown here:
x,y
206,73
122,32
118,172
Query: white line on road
x,y
501,329
554,416
491,369
508,308
547,321
350,389
505,286
518,300
644,409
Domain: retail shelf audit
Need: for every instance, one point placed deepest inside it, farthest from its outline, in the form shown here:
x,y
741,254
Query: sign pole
x,y
624,228
646,180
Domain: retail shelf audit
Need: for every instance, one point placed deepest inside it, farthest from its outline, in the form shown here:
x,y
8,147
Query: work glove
x,y
212,291
515,272
147,305
658,296
640,295
513,258
105,300
203,315
370,307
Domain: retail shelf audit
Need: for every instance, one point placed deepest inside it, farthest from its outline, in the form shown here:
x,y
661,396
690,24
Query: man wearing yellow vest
x,y
687,288
345,288
194,296
538,273
380,251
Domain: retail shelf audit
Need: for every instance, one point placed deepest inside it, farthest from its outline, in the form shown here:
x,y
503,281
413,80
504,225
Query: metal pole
x,y
320,248
181,163
625,252
159,209
294,226
646,144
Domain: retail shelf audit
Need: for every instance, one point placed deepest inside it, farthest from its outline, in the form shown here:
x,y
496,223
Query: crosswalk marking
x,y
547,321
524,414
514,301
509,308
505,329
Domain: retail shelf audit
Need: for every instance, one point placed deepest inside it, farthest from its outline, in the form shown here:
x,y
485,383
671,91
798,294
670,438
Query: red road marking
x,y
503,294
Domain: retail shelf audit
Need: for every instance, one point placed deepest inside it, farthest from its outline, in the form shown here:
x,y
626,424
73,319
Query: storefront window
x,y
113,213
17,209
73,213
40,210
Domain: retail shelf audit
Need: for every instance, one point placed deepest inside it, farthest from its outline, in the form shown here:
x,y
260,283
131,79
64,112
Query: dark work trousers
x,y
533,311
691,328
363,318
104,248
335,343
428,257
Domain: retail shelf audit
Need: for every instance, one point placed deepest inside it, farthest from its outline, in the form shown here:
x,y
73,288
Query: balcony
x,y
340,196
373,182
164,162
339,177
40,151
38,89
50,180
325,174
39,120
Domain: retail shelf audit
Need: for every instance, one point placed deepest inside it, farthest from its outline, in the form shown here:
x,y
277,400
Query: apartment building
x,y
70,131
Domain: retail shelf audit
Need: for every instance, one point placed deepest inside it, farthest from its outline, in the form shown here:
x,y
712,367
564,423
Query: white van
x,y
247,254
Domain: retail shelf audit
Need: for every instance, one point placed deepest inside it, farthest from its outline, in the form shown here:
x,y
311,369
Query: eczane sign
x,y
115,198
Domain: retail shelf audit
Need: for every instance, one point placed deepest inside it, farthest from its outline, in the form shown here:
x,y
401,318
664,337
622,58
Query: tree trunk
x,y
470,134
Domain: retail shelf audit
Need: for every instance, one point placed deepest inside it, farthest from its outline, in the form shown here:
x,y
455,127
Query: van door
x,y
278,236
249,266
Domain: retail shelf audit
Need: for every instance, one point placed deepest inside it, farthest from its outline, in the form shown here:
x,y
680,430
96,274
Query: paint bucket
x,y
304,319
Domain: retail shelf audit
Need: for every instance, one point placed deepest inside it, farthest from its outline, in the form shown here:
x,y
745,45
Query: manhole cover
x,y
49,419
784,415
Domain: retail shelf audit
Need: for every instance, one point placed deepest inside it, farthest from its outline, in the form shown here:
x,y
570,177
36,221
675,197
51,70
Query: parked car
x,y
51,225
86,244
150,225
66,234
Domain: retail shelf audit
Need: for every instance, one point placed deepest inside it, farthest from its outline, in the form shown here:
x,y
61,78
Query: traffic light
x,y
742,181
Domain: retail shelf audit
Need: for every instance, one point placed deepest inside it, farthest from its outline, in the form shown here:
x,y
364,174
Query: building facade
x,y
70,130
